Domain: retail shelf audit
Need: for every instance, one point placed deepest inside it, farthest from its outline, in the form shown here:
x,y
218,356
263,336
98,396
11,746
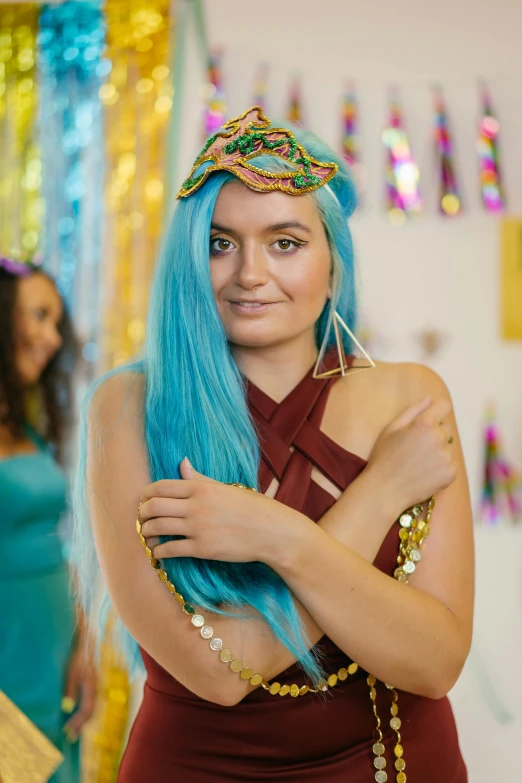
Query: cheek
x,y
220,274
309,279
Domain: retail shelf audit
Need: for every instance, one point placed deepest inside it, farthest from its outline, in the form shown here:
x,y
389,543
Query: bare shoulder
x,y
416,381
118,393
363,403
116,406
399,383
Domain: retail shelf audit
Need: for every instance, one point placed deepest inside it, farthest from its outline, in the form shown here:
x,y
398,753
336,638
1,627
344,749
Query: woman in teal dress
x,y
44,668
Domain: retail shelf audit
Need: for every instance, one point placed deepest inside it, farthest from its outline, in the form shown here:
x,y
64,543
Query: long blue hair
x,y
195,404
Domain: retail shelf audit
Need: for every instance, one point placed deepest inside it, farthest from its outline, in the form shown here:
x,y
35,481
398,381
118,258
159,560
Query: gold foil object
x,y
26,755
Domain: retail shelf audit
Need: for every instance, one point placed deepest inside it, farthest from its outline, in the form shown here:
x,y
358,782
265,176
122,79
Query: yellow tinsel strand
x,y
21,210
138,102
105,735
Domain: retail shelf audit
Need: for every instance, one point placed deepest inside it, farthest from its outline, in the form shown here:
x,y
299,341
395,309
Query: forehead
x,y
37,290
241,208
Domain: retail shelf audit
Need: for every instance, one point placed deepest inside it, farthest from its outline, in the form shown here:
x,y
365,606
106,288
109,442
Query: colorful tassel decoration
x,y
403,196
488,154
216,109
295,105
501,501
261,87
449,200
350,141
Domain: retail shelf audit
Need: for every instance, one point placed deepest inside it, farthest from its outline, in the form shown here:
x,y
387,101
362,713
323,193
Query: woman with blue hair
x,y
271,619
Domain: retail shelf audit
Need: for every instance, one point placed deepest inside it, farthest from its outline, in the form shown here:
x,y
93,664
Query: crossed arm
x,y
416,636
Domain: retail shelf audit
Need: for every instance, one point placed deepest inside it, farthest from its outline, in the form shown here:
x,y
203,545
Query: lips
x,y
246,307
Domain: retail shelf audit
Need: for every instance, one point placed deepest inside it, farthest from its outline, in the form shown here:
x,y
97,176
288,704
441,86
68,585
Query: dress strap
x,y
291,440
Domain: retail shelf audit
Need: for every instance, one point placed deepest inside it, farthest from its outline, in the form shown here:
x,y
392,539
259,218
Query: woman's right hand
x,y
413,457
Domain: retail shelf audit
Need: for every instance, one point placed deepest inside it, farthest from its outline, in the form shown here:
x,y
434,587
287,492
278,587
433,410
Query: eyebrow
x,y
274,227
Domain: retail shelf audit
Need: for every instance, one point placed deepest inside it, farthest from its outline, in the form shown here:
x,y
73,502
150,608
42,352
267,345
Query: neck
x,y
277,369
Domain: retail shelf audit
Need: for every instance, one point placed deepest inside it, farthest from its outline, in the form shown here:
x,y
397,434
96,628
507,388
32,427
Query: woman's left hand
x,y
80,690
219,522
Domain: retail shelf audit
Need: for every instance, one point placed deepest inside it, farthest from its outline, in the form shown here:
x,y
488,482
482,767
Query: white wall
x,y
436,273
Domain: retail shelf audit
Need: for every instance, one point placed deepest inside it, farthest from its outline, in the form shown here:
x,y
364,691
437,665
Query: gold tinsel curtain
x,y
21,213
138,102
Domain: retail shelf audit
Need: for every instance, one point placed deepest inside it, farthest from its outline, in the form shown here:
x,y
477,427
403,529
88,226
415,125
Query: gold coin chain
x,y
413,532
226,655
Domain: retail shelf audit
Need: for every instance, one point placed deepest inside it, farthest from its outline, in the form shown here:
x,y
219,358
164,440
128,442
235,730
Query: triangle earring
x,y
337,322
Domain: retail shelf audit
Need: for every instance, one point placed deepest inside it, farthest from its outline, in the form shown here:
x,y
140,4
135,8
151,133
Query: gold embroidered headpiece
x,y
247,137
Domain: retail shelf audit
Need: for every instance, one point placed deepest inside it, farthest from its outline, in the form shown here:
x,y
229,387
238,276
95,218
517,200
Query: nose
x,y
53,338
253,266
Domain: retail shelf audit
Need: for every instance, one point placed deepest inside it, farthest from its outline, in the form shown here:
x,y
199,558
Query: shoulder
x,y
381,394
117,396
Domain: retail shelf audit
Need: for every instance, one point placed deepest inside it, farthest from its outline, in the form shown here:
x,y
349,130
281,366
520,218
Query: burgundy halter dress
x,y
178,737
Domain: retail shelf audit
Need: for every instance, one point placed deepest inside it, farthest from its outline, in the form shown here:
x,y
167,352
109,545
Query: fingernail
x,y
188,463
70,735
68,705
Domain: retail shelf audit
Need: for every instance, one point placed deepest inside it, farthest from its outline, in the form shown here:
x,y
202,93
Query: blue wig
x,y
195,404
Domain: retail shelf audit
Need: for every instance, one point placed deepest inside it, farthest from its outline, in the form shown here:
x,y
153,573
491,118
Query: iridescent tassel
x,y
501,500
261,86
403,196
487,149
449,199
295,103
215,109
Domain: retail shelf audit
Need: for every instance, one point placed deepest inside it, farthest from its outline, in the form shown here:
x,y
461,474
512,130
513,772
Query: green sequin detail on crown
x,y
245,144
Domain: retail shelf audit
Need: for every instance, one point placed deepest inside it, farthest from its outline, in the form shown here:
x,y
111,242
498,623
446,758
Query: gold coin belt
x,y
411,536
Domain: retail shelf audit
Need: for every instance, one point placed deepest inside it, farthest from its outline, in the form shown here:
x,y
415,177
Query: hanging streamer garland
x,y
501,501
215,106
71,40
449,199
21,213
350,140
488,154
259,97
138,100
403,196
295,104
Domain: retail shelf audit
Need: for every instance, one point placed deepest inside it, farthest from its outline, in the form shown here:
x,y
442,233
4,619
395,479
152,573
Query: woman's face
x,y
270,265
37,314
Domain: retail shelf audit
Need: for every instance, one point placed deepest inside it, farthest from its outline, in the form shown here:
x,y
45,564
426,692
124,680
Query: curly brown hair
x,y
54,388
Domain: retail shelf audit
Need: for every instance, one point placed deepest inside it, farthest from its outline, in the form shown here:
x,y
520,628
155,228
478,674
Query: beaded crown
x,y
248,136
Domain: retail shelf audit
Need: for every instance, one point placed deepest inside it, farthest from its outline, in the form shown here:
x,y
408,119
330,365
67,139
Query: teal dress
x,y
36,609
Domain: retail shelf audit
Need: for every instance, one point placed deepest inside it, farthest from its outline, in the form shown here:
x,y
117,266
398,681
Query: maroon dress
x,y
178,737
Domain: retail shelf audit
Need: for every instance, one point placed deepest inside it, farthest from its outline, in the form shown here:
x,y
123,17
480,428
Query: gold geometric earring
x,y
343,369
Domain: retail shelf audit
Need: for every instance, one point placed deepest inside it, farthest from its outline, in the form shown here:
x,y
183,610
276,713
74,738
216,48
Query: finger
x,y
163,507
70,692
185,547
409,414
437,412
188,472
75,724
166,488
164,526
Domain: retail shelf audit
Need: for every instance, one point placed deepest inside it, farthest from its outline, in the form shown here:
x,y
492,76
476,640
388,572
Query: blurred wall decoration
x,y
512,279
